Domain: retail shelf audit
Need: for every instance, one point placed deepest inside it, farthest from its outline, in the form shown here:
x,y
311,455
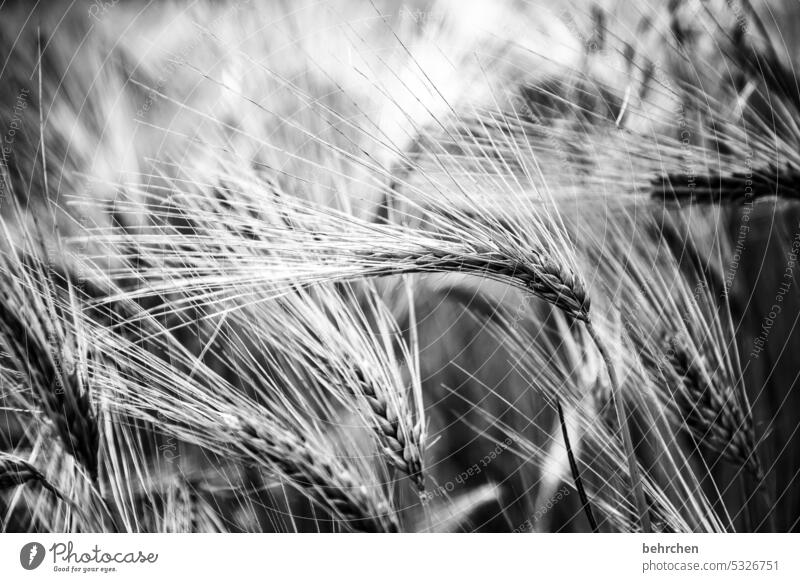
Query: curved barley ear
x,y
540,276
711,411
323,479
17,471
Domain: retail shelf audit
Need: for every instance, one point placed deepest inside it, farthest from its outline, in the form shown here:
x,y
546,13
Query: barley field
x,y
399,266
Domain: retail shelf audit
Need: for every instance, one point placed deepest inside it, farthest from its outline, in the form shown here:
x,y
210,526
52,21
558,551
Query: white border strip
x,y
402,557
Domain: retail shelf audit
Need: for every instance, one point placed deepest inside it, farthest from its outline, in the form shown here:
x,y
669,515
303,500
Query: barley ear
x,y
330,485
16,471
402,450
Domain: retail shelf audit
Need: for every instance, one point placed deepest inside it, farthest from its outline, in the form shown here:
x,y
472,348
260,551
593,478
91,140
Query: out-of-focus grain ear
x,y
597,42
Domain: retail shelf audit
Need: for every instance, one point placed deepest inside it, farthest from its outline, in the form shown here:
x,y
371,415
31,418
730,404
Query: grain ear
x,y
16,471
307,468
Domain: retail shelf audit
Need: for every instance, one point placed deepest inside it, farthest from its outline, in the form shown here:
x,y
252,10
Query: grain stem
x,y
627,441
576,475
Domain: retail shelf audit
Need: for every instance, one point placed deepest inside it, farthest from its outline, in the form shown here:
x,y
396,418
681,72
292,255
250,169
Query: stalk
x,y
576,476
627,441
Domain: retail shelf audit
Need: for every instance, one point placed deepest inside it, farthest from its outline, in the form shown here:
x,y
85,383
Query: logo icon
x,y
31,555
